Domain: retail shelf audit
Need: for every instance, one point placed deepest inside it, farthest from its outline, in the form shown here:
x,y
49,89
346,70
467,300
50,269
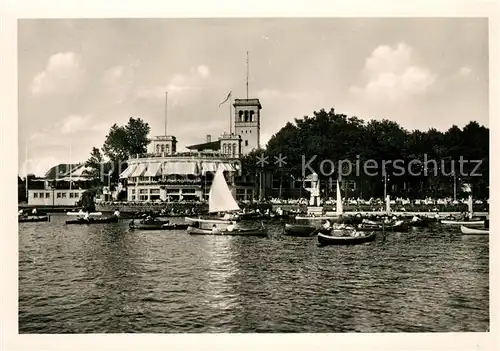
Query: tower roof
x,y
247,102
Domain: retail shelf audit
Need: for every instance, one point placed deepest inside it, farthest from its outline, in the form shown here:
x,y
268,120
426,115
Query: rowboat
x,y
236,232
315,218
81,213
299,230
326,238
93,220
30,219
398,226
473,231
158,226
467,223
207,220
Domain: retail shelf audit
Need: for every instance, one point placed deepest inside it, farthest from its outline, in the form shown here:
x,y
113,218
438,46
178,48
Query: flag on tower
x,y
227,98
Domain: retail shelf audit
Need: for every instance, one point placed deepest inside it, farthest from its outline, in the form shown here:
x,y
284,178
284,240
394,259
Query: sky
x,y
78,77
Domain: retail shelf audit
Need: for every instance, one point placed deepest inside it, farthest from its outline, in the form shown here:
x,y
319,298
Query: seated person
x,y
215,229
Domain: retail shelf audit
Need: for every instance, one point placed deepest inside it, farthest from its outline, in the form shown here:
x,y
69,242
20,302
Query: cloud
x,y
119,81
269,94
176,87
204,71
465,71
392,74
62,74
74,123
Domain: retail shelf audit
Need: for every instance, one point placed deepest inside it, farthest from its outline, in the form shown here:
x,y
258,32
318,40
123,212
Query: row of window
x,y
162,148
59,195
230,149
169,191
246,116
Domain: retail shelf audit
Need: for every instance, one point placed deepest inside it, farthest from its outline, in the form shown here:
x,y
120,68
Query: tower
x,y
247,123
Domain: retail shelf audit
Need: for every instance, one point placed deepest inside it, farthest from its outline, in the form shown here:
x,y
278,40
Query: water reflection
x,y
107,279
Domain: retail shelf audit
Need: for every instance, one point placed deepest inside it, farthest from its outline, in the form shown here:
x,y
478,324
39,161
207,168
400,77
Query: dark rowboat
x,y
33,219
299,230
398,226
242,232
93,220
326,238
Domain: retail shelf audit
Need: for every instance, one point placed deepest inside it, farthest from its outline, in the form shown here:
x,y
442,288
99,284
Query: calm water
x,y
103,278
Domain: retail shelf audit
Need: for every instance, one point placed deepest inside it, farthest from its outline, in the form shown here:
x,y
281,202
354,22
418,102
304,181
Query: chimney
x,y
209,138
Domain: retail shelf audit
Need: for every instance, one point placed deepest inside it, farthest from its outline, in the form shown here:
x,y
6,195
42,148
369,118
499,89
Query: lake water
x,y
106,279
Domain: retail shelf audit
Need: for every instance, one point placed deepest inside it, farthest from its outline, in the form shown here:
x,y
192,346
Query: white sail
x,y
388,204
220,198
339,206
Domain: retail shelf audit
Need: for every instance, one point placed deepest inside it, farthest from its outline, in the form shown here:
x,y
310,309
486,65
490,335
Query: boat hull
x,y
242,232
83,213
31,219
208,220
473,231
141,226
467,223
328,239
381,228
299,230
93,220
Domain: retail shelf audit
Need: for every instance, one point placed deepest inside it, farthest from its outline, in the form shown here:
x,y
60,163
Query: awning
x,y
153,169
139,171
180,168
126,173
213,166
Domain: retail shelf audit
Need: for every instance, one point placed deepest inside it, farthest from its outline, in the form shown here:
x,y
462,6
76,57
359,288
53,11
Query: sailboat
x,y
220,199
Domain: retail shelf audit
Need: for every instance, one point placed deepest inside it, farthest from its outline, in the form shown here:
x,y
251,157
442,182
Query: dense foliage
x,y
335,137
120,143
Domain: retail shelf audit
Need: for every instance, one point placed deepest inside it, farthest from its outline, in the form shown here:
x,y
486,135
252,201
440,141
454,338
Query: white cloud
x,y
465,71
204,71
177,86
62,74
74,123
267,93
119,82
392,74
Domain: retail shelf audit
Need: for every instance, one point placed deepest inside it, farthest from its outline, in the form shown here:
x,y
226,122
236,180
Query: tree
x,y
124,141
96,163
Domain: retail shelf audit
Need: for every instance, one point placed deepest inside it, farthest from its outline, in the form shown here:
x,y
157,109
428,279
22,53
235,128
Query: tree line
x,y
330,136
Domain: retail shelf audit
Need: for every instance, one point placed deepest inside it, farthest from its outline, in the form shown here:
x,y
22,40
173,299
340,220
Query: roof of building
x,y
213,145
247,102
59,170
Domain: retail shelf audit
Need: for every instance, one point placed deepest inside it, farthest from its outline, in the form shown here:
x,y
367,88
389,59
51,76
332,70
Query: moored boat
x,y
236,232
473,231
467,223
158,226
398,226
326,238
299,230
93,220
81,213
28,219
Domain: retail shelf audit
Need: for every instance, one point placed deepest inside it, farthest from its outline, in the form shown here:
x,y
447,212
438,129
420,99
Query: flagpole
x,y
247,74
230,113
166,101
